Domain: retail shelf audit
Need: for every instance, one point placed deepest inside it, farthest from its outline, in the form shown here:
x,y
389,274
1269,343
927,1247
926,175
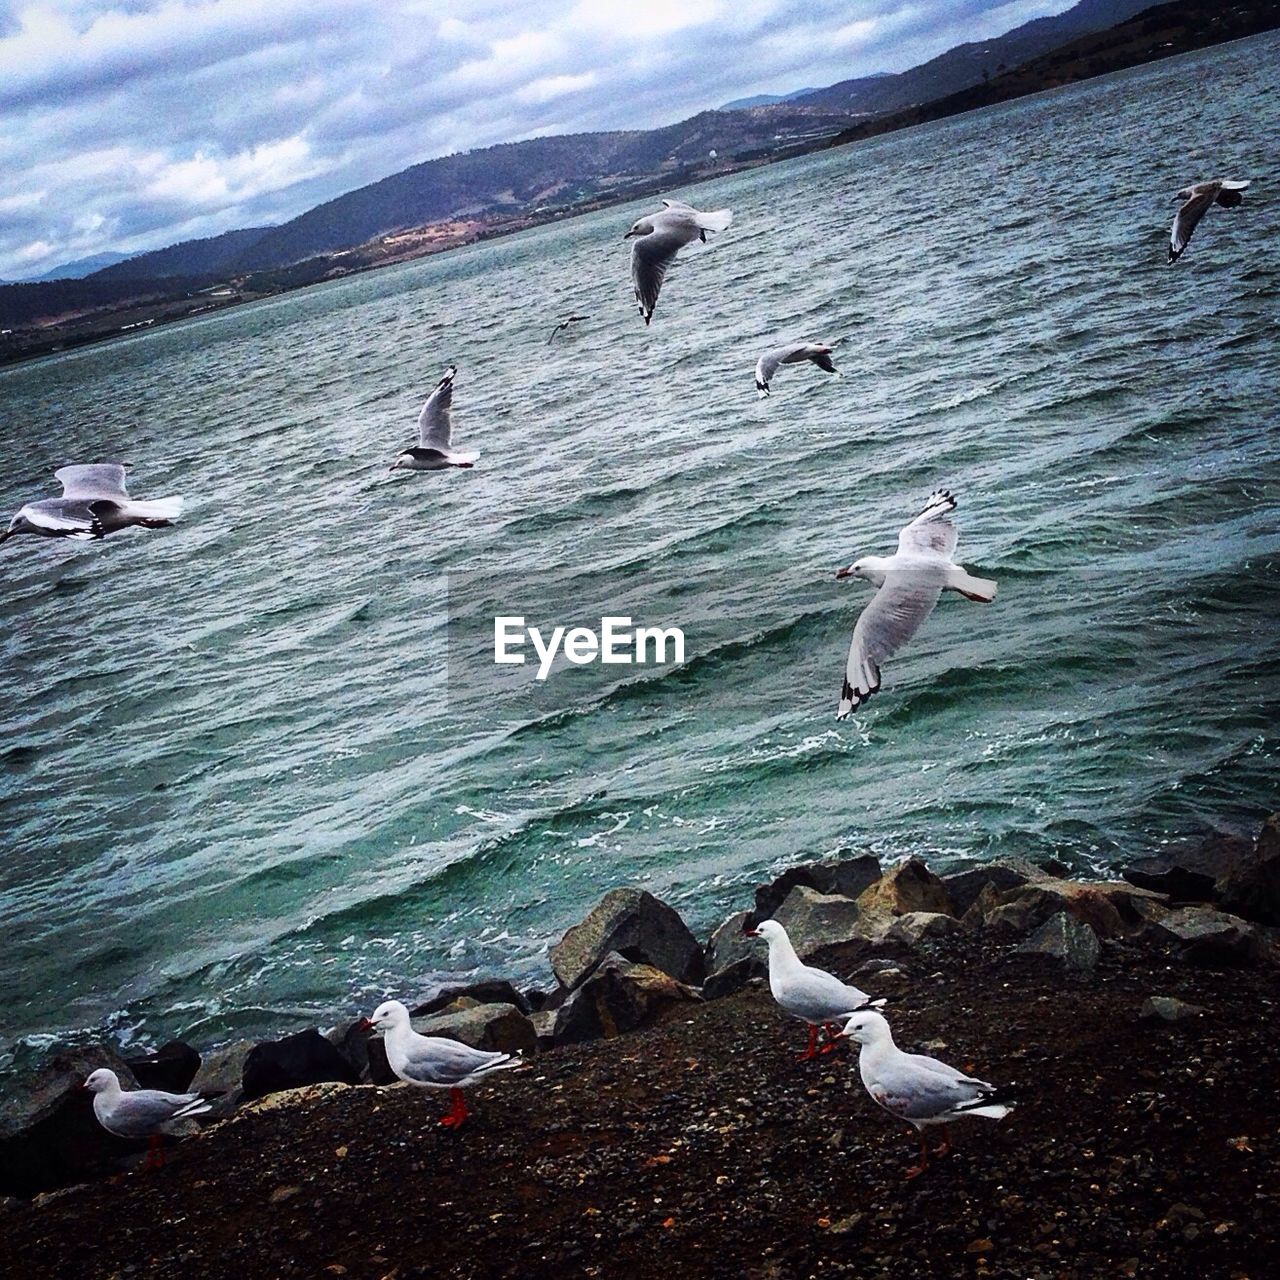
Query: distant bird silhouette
x,y
434,451
1198,198
564,324
94,503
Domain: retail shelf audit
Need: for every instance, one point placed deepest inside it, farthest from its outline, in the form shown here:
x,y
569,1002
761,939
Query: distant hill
x,y
520,175
189,258
969,64
764,100
78,269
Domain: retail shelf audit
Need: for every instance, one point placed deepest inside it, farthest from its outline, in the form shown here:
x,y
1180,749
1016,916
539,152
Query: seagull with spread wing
x,y
564,324
434,451
1197,200
658,238
793,353
909,583
94,503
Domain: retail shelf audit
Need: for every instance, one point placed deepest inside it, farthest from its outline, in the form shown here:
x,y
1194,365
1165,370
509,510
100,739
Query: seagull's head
x,y
101,1081
401,462
769,930
642,228
867,1027
858,569
389,1013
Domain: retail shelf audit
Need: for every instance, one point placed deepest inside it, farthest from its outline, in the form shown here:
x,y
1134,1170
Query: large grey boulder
x,y
730,943
921,926
845,877
303,1058
1211,937
910,886
49,1136
636,925
619,996
813,920
1252,887
1065,942
964,887
497,1027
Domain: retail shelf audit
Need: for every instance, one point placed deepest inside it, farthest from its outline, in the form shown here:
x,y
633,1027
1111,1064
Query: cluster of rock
x,y
633,962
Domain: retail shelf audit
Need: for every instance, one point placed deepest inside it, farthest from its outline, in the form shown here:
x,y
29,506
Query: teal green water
x,y
240,791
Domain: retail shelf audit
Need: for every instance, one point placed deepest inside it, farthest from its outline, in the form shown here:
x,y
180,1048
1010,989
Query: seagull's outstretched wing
x,y
434,427
93,480
74,518
1188,217
898,611
767,366
932,531
651,255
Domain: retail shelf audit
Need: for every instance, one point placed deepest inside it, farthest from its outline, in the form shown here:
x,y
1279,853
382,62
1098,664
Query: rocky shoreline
x,y
664,1124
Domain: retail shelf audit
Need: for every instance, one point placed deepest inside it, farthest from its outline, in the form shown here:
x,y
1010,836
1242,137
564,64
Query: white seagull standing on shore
x,y
1198,198
658,238
813,995
916,1088
435,451
94,503
141,1113
794,353
909,583
434,1062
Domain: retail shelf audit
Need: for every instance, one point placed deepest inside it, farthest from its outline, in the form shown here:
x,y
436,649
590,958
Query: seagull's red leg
x,y
812,1050
945,1149
833,1037
917,1169
457,1113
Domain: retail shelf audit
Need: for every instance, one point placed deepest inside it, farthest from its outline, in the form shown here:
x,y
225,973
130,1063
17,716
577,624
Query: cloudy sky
x,y
130,124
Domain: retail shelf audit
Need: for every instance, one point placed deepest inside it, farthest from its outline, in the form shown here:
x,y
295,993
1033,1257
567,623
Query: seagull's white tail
x,y
995,1111
982,590
160,509
717,221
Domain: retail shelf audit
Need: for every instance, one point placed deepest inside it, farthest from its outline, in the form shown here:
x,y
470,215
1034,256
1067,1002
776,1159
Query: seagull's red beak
x,y
364,1025
846,572
751,933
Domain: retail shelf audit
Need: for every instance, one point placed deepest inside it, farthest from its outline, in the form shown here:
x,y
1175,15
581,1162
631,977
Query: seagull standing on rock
x,y
658,238
1197,199
141,1113
813,995
433,1062
916,1088
94,503
435,450
909,583
795,353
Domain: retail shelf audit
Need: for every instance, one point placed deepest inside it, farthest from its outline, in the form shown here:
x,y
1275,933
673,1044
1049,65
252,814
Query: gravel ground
x,y
702,1148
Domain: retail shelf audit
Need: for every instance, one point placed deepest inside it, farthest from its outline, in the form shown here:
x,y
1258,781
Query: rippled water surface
x,y
240,791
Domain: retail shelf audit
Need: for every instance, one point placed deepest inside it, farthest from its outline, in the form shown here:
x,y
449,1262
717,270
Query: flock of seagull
x,y
913,1087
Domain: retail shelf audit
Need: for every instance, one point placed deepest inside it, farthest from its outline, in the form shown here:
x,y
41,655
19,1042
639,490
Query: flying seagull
x,y
794,353
909,583
93,504
435,434
916,1088
433,1062
141,1113
658,238
564,324
813,995
1198,198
